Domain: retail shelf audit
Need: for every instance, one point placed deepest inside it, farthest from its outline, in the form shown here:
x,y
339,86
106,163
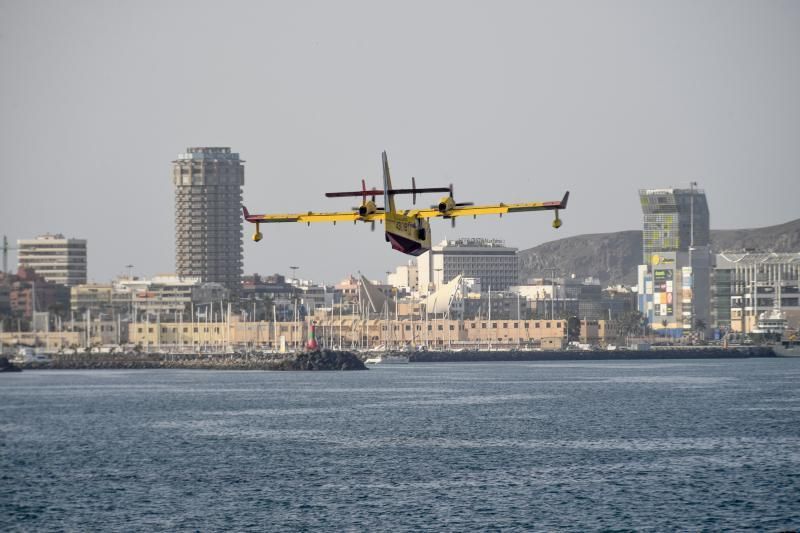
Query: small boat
x,y
787,349
387,359
27,355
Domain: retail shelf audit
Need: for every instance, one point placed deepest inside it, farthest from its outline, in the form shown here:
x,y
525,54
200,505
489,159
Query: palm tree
x,y
700,326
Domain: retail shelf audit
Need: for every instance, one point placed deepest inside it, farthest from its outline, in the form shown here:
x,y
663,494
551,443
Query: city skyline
x,y
316,98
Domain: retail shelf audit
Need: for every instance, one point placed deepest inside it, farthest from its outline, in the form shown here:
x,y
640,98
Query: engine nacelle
x,y
446,204
367,208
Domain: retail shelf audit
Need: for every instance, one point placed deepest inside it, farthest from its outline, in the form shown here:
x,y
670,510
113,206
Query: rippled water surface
x,y
648,445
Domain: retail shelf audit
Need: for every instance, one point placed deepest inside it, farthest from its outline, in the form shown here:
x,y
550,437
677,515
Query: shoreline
x,y
320,360
345,360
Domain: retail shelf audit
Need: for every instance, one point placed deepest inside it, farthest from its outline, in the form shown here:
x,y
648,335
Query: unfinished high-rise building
x,y
208,218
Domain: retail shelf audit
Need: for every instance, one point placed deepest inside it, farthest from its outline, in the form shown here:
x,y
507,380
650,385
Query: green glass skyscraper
x,y
674,220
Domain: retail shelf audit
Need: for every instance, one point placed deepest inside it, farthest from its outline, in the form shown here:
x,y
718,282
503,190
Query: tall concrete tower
x,y
208,218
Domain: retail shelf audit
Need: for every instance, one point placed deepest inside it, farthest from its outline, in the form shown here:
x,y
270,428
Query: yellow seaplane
x,y
407,230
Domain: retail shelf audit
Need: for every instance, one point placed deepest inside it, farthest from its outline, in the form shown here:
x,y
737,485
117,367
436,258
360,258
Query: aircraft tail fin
x,y
388,199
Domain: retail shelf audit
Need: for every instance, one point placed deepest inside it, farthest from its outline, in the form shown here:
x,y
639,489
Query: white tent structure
x,y
371,296
447,298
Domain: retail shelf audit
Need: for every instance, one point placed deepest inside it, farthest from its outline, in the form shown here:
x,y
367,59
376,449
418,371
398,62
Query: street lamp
x,y
552,293
386,310
295,316
439,283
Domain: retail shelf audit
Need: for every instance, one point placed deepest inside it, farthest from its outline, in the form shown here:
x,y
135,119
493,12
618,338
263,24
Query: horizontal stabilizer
x,y
419,191
371,192
375,192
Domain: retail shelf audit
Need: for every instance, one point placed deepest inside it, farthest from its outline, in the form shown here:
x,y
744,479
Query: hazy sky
x,y
510,101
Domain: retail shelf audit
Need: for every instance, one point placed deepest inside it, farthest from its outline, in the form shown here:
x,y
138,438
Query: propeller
x,y
460,204
363,191
372,226
413,191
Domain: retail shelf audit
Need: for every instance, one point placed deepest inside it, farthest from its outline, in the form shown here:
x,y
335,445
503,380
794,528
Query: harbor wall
x,y
590,355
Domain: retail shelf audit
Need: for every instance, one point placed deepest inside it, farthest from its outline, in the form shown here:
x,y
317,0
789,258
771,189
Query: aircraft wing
x,y
489,209
311,216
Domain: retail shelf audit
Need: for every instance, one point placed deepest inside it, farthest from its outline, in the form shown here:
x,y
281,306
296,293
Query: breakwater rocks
x,y
322,360
591,355
317,360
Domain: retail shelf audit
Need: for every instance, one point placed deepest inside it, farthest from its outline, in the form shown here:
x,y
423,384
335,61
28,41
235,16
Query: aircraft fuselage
x,y
409,235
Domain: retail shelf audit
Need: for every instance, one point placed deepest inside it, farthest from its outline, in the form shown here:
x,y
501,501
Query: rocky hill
x,y
613,257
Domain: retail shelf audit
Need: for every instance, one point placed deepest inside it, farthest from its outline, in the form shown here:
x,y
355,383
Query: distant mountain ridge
x,y
613,257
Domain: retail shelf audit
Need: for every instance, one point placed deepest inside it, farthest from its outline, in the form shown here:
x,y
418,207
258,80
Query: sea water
x,y
644,445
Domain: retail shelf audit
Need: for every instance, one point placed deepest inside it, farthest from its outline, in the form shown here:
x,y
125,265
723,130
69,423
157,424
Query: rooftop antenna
x,y
6,248
692,185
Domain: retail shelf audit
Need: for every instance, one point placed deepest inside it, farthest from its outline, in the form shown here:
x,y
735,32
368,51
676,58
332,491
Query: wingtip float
x,y
408,231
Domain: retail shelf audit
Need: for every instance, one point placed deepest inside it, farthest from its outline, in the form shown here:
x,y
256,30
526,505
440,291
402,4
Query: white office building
x,y
489,260
55,258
